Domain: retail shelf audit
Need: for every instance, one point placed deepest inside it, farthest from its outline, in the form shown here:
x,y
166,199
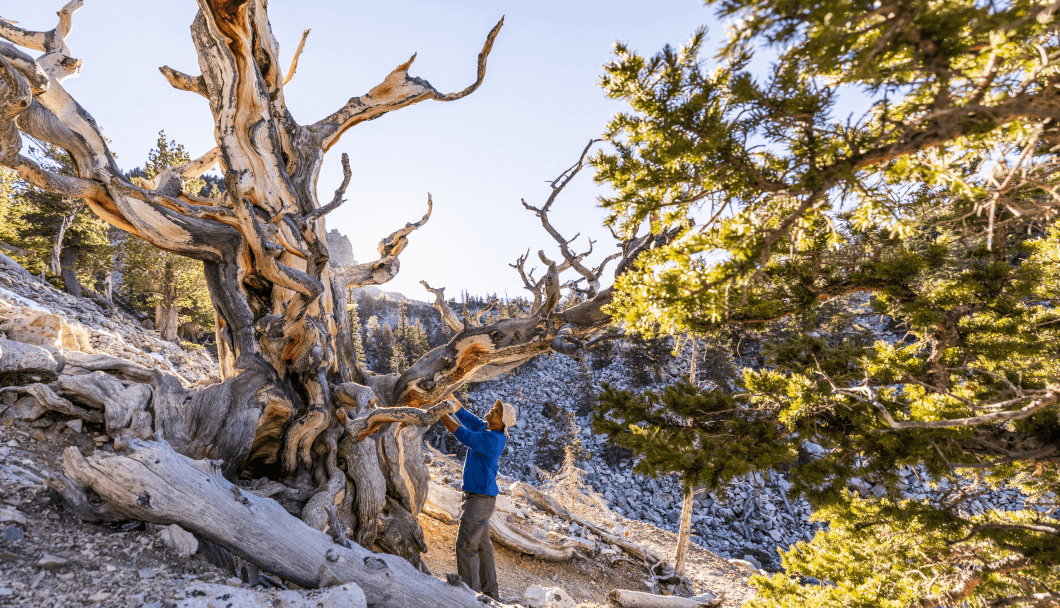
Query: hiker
x,y
485,441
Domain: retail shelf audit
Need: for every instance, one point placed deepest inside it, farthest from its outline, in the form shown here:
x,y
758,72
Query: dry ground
x,y
589,581
115,566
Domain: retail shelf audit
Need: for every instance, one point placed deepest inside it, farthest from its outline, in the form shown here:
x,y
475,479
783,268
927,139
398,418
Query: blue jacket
x,y
483,454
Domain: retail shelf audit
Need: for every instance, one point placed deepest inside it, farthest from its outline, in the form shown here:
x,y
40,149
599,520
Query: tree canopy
x,y
934,209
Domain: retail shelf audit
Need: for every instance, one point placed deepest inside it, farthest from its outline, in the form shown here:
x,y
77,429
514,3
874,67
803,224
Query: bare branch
x,y
56,61
572,260
361,428
451,318
387,266
221,214
396,242
604,338
68,220
26,66
477,320
398,90
1026,412
339,192
184,82
528,281
294,62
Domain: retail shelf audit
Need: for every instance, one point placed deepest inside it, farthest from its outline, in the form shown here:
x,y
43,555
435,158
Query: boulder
x,y
180,540
537,596
20,361
41,329
15,268
11,514
26,408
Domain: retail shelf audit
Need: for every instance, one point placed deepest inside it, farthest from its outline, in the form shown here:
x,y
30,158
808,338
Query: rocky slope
x,y
750,519
49,558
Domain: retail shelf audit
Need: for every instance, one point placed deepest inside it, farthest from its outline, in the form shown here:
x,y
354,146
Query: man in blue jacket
x,y
485,440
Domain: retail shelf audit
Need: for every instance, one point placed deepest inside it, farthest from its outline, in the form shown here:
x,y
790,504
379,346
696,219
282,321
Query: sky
x,y
538,107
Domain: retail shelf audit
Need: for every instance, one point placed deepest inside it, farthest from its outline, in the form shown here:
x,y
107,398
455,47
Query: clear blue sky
x,y
538,107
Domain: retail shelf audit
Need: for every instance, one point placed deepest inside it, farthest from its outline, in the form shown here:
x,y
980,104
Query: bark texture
x,y
293,408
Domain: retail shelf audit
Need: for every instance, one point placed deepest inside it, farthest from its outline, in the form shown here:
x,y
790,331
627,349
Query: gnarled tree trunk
x,y
293,401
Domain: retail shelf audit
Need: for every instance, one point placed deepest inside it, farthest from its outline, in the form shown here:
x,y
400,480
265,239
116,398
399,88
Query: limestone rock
x,y
27,408
340,249
180,540
18,359
537,596
205,595
41,329
7,514
50,561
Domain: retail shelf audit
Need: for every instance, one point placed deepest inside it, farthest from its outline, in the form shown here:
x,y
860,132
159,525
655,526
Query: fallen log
x,y
151,482
550,505
444,504
636,599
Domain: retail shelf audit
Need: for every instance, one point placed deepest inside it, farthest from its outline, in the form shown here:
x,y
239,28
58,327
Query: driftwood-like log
x,y
155,484
47,397
549,505
283,341
84,503
637,599
124,408
444,504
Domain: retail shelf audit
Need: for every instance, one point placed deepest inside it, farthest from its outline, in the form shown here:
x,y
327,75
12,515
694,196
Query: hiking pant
x,y
474,550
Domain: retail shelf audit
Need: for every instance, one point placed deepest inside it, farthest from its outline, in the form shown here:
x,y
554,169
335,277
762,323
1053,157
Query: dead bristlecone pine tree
x,y
322,437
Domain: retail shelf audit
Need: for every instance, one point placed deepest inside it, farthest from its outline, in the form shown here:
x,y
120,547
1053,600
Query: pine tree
x,y
409,340
355,328
644,357
377,346
935,206
170,285
465,314
31,220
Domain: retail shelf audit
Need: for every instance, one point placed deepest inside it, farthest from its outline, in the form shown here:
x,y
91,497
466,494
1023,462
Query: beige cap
x,y
509,414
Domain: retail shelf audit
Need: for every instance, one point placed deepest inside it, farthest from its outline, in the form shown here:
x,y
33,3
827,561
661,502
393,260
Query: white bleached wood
x,y
155,484
294,61
444,504
281,321
398,90
637,599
